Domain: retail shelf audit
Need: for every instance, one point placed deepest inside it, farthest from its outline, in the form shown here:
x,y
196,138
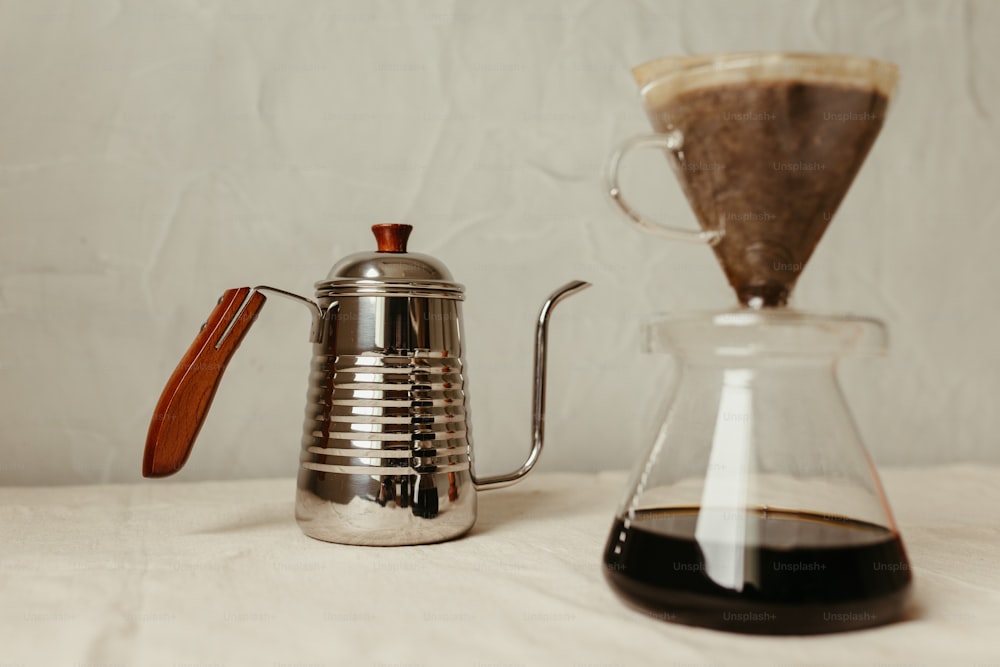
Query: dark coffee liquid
x,y
771,161
792,573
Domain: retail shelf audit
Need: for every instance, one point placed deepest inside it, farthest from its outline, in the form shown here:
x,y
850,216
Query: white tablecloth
x,y
200,574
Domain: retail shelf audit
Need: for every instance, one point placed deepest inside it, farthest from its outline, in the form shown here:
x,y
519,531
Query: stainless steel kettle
x,y
386,446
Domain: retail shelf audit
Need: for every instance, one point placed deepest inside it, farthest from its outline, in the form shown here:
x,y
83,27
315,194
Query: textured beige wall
x,y
153,154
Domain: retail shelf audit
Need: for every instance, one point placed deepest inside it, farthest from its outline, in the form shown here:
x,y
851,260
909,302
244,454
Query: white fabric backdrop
x,y
153,154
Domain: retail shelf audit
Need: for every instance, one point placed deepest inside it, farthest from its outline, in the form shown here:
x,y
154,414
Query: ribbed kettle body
x,y
386,445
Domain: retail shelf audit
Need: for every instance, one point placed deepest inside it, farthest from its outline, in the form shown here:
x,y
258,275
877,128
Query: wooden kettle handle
x,y
189,392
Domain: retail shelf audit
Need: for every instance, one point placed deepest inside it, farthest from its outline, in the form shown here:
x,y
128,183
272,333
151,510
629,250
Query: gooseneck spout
x,y
538,394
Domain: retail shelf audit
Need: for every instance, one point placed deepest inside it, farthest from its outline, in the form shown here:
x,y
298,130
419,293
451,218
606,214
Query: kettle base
x,y
387,510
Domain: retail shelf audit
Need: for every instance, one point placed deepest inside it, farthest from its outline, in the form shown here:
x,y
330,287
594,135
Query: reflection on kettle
x,y
386,453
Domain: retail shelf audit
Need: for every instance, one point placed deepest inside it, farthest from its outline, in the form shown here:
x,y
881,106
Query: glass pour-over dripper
x,y
765,146
757,508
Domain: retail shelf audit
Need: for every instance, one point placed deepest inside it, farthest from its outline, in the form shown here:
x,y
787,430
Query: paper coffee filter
x,y
670,76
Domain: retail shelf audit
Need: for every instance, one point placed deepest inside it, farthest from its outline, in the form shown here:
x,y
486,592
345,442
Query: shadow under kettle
x,y
386,454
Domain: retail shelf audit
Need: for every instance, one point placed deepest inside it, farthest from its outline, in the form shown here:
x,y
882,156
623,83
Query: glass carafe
x,y
757,508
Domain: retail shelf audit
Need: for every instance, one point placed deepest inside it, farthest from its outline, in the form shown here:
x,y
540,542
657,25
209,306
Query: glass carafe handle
x,y
670,141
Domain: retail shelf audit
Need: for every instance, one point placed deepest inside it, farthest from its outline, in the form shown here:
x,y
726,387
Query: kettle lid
x,y
391,267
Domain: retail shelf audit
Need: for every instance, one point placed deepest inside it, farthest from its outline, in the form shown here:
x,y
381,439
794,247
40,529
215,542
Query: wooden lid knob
x,y
392,238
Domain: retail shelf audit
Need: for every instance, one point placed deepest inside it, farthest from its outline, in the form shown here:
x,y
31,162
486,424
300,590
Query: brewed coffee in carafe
x,y
757,508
